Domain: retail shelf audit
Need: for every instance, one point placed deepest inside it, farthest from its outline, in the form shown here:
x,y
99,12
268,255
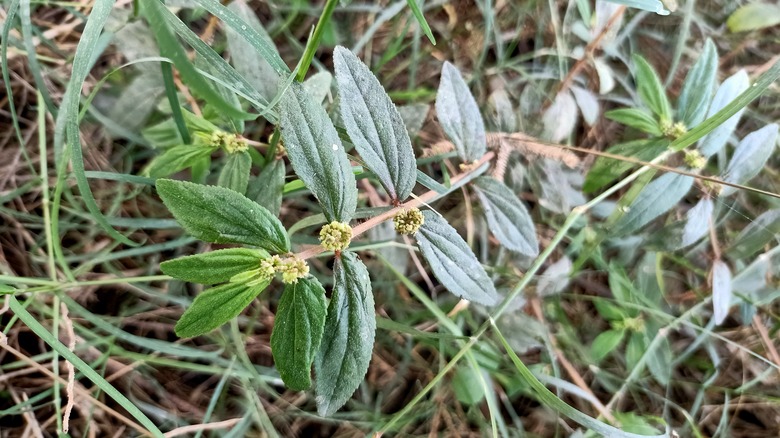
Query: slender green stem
x,y
173,100
314,42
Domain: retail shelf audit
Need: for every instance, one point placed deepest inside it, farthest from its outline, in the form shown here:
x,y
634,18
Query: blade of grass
x,y
85,53
173,100
30,321
421,19
155,14
551,400
314,41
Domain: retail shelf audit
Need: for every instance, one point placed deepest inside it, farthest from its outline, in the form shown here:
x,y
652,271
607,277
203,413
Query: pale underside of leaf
x,y
374,125
452,261
507,216
459,115
317,155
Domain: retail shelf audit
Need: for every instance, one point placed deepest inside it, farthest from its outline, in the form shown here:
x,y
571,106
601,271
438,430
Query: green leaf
x,y
317,155
216,306
763,231
163,135
659,361
606,170
507,217
418,15
235,174
658,197
220,215
300,320
754,16
459,115
750,157
452,261
374,125
267,188
176,158
348,339
605,343
728,91
467,385
696,93
636,118
650,88
215,266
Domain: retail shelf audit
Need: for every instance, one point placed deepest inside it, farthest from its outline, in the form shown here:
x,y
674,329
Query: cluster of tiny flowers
x,y
468,167
408,221
695,160
335,236
291,268
673,130
231,142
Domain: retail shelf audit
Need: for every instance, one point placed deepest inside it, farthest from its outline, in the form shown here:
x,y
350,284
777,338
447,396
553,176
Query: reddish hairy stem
x,y
412,203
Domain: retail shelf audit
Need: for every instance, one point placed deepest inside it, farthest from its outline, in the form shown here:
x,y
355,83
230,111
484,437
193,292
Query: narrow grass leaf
x,y
68,116
298,327
348,339
696,93
216,306
155,14
728,91
220,215
317,155
177,158
750,157
266,189
214,267
459,115
659,361
636,118
452,261
549,399
507,217
754,16
418,15
235,174
721,291
655,199
374,125
605,169
697,222
650,88
28,319
762,231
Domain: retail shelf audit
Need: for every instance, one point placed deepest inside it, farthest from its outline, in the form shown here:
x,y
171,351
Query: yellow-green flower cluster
x,y
695,160
292,268
673,130
408,221
232,143
335,236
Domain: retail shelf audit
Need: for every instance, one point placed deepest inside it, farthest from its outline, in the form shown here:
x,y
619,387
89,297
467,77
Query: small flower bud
x,y
269,266
217,139
335,236
234,144
293,268
673,130
695,160
408,221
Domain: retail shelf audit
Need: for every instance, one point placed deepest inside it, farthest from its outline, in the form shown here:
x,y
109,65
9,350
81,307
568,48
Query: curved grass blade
x,y
421,19
80,365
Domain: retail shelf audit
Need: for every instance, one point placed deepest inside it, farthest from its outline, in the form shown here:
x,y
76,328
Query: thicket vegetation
x,y
510,218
